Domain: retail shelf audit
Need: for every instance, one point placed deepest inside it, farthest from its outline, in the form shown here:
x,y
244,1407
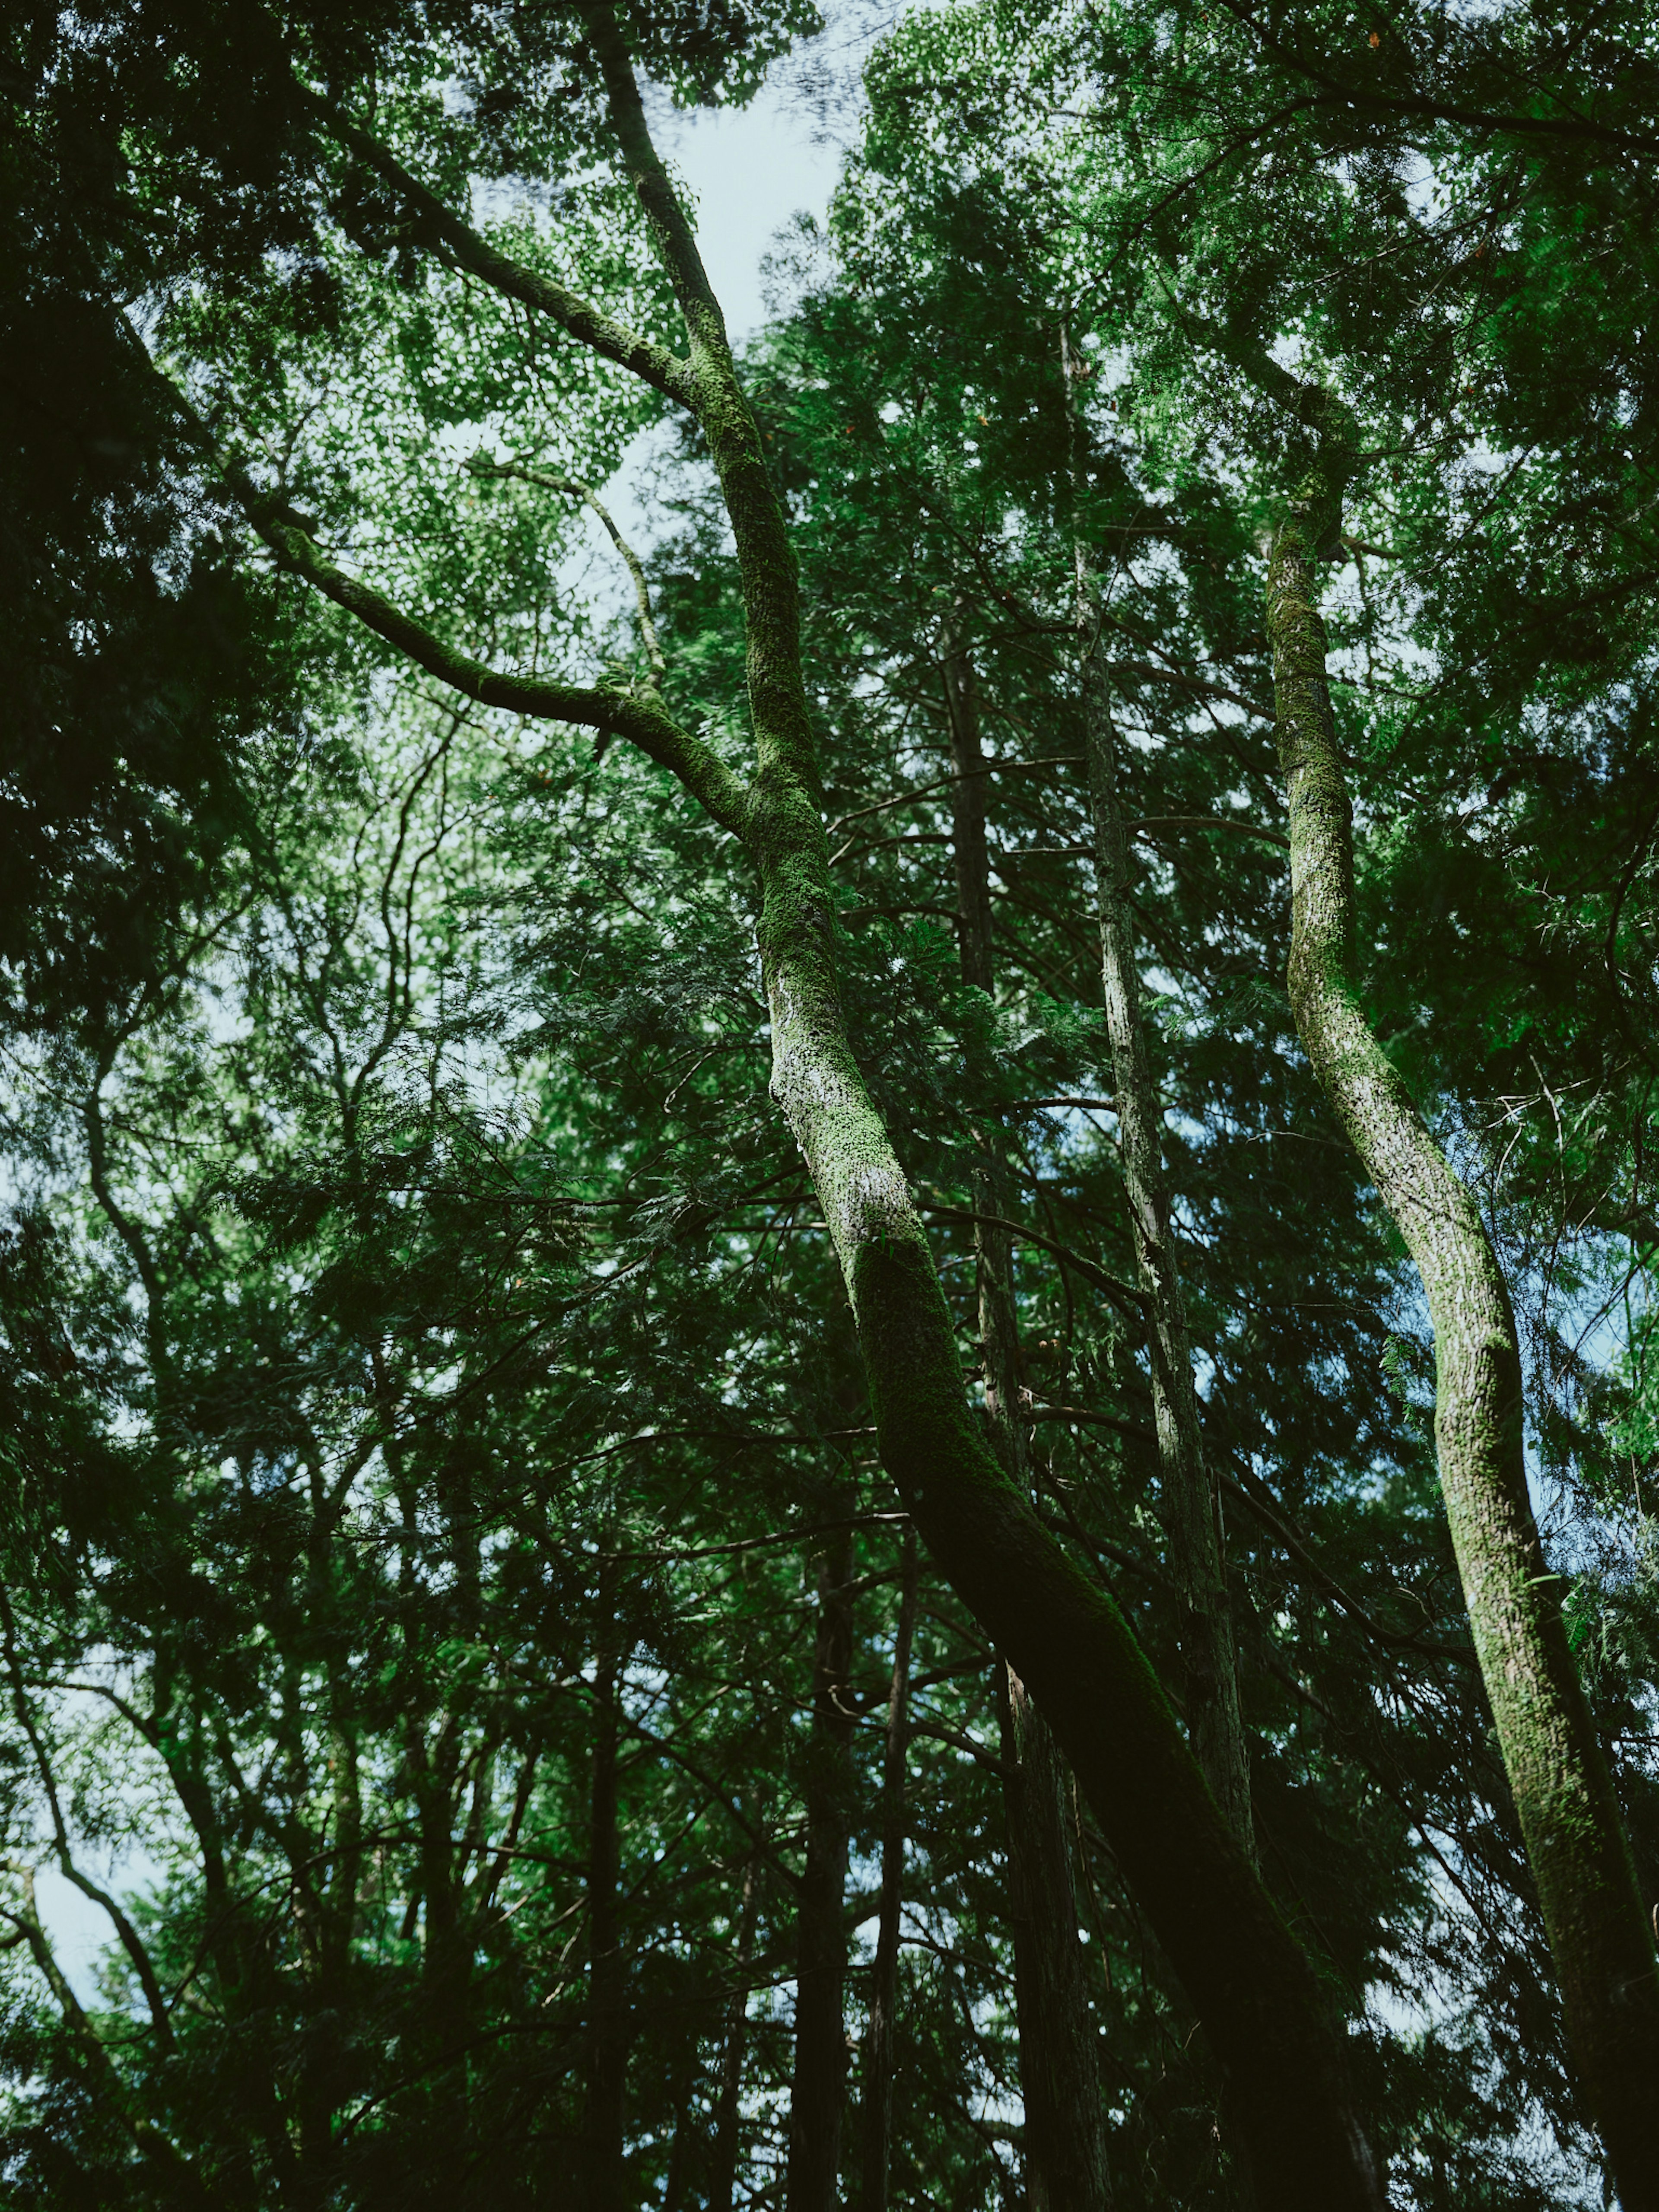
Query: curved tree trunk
x,y
1243,1970
1598,1933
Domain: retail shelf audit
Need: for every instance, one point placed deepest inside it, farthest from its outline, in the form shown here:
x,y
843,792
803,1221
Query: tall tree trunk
x,y
1599,1935
1059,2052
1245,1974
607,2006
1059,2063
880,2035
820,2078
1192,1496
723,2155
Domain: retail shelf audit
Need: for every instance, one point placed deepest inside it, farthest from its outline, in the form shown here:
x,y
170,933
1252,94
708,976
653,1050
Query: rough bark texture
x,y
818,2089
723,2151
1064,2138
1064,2141
880,2043
603,2177
1580,1859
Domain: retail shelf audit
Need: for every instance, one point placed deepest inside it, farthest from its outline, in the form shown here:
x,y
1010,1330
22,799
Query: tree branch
x,y
602,334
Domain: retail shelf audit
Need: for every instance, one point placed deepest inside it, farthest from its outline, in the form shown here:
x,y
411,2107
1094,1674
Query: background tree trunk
x,y
723,2152
607,2008
1059,2063
1192,1498
880,2035
820,2078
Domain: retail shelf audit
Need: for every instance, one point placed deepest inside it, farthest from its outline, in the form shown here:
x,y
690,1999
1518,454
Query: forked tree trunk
x,y
1243,1971
818,2089
880,2038
1065,2148
1598,1932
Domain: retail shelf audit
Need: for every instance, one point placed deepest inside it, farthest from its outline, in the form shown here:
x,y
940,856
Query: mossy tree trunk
x,y
1580,1858
1246,1977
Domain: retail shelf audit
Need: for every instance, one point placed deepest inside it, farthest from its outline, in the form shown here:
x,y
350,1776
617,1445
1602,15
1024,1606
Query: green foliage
x,y
412,1304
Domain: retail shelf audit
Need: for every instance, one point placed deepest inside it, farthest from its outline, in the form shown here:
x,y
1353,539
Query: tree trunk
x,y
723,2155
1064,2145
880,2035
1243,1971
1059,2052
1191,1495
607,2010
1599,1935
819,2085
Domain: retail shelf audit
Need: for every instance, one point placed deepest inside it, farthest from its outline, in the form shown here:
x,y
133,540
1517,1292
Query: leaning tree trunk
x,y
1192,1497
1576,1844
1244,1973
1065,2147
818,2089
879,2035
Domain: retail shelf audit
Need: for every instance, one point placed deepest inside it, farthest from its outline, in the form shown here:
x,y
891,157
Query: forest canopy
x,y
827,1316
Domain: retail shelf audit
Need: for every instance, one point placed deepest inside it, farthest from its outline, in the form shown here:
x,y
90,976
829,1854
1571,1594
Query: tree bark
x,y
1191,1494
818,2089
1243,1971
880,2035
723,2155
1598,1933
603,2181
1059,2054
1064,2148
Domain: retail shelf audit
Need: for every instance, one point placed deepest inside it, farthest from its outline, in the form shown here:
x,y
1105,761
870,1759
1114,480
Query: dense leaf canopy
x,y
472,1685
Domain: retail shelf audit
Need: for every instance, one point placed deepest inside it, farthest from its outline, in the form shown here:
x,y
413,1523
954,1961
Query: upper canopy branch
x,y
1318,498
615,341
1565,126
552,481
